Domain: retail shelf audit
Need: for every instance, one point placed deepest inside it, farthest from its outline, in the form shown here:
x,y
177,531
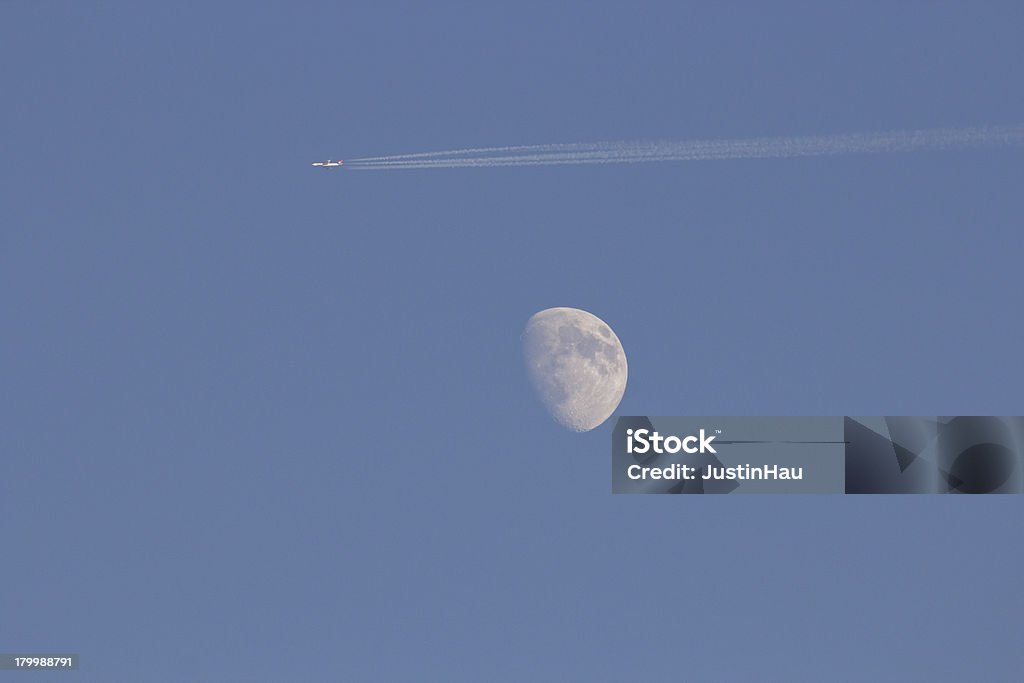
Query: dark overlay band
x,y
967,454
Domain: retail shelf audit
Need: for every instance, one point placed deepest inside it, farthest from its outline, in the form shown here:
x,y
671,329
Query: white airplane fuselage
x,y
329,163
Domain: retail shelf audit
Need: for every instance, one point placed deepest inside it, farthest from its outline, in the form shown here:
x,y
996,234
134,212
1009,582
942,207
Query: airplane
x,y
329,163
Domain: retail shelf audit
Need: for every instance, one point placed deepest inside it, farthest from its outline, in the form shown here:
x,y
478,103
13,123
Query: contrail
x,y
702,150
513,149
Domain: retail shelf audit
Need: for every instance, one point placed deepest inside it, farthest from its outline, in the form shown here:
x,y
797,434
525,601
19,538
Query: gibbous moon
x,y
576,364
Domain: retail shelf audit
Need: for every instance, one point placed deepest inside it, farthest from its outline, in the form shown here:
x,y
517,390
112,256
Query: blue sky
x,y
265,422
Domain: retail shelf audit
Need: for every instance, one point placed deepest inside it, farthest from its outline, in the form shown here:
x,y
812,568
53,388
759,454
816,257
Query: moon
x,y
577,366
